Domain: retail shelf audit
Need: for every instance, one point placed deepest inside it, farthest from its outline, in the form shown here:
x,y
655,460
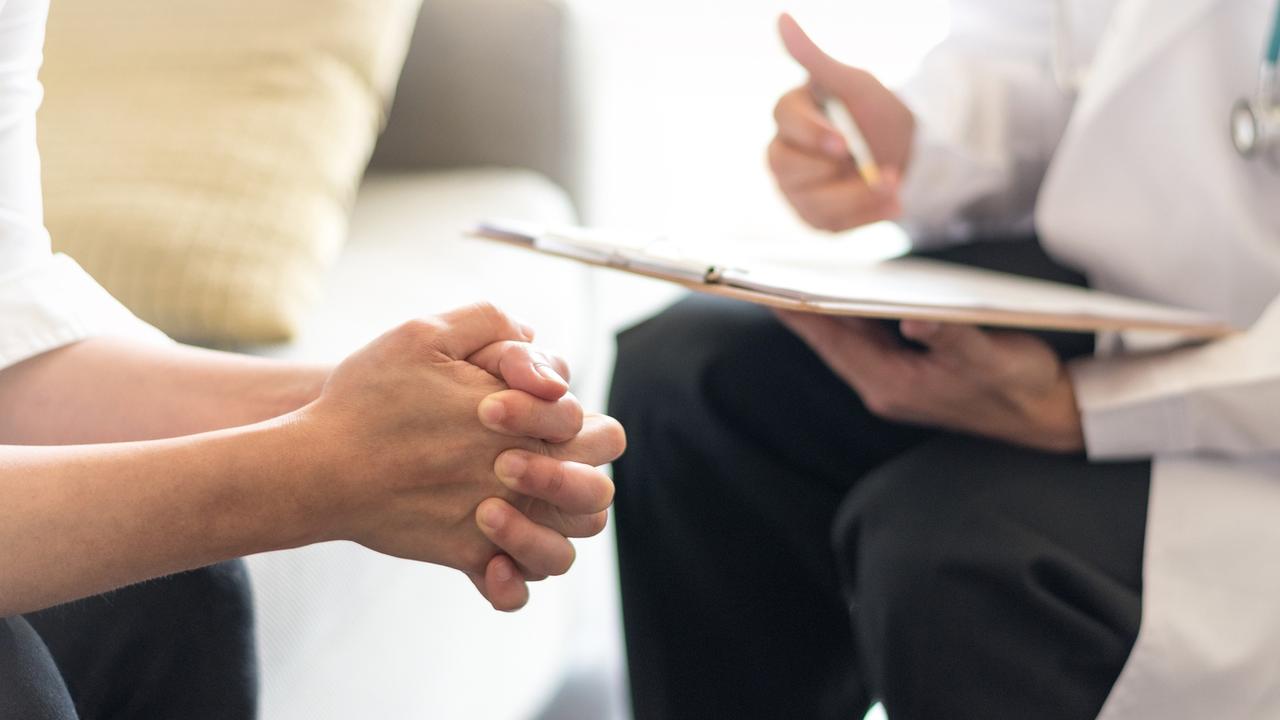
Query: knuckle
x,y
420,330
486,313
555,481
775,157
784,110
568,422
780,109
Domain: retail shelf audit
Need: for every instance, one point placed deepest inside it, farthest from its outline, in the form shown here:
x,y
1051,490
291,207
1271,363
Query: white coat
x,y
1134,180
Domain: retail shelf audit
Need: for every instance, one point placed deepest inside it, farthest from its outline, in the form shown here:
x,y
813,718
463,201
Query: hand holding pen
x,y
843,141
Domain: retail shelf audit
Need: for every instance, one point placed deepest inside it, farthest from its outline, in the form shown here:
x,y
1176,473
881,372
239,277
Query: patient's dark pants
x,y
786,554
177,647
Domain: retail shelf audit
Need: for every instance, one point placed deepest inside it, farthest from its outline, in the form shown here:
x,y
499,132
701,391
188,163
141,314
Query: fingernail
x,y
503,573
491,517
512,466
528,331
492,411
550,373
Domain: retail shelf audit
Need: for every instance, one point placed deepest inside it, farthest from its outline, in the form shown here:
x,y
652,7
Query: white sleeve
x,y
1218,399
989,115
46,301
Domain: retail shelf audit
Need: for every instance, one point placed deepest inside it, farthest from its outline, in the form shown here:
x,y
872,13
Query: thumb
x,y
522,367
825,70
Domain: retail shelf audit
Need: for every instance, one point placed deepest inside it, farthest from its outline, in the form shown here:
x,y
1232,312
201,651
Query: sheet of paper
x,y
927,283
900,287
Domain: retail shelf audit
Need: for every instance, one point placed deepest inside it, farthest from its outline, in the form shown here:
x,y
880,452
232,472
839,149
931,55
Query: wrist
x,y
1057,419
293,389
290,469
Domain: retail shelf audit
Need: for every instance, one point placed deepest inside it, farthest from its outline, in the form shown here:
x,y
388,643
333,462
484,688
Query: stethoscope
x,y
1255,122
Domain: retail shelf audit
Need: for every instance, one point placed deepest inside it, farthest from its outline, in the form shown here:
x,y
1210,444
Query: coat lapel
x,y
1137,34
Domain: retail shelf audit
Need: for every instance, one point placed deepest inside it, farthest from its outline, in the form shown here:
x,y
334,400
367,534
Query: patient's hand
x,y
1008,386
414,432
561,491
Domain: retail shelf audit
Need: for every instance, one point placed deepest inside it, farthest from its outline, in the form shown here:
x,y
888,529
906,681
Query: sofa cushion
x,y
200,157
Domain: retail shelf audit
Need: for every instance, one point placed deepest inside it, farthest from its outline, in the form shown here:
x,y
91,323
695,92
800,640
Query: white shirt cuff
x,y
53,302
1118,426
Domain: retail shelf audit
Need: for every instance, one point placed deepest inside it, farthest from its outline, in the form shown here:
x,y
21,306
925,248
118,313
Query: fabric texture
x,y
180,646
200,158
31,687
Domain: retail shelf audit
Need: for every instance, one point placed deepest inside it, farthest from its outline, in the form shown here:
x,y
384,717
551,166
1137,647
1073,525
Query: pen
x,y
839,116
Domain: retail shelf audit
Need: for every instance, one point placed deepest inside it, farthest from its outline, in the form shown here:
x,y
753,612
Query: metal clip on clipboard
x,y
623,251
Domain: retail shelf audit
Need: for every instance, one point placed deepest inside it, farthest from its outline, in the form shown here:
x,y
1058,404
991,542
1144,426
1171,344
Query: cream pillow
x,y
201,156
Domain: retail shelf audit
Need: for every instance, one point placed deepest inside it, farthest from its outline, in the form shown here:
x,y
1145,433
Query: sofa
x,y
482,126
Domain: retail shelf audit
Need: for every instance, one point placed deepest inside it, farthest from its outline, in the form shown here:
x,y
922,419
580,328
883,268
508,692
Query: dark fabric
x,y
966,578
176,647
30,686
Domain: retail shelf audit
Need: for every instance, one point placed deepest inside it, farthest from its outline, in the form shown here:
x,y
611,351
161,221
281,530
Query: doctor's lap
x,y
786,553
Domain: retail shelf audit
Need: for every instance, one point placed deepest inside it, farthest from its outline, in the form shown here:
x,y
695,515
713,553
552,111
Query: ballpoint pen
x,y
839,116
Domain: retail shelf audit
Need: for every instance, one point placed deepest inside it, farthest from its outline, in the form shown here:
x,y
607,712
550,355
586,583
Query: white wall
x,y
679,96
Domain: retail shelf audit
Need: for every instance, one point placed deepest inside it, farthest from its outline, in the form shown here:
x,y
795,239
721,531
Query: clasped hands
x,y
452,440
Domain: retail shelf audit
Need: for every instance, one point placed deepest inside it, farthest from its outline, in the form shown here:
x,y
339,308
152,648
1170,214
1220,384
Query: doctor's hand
x,y
810,159
1008,386
415,445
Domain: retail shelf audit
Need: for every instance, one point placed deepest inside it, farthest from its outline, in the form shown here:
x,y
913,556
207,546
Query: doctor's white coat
x,y
1133,179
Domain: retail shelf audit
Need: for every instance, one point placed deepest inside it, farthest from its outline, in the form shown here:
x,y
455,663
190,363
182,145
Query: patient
x,y
125,458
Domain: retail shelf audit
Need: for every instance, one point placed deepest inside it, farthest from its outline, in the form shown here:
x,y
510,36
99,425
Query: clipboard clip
x,y
660,257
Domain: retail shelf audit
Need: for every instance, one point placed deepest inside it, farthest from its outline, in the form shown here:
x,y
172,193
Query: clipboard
x,y
898,289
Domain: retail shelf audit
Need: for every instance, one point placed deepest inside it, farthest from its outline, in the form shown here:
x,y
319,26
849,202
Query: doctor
x,y
1021,532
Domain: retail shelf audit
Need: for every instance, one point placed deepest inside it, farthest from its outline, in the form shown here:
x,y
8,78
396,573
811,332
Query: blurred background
x,y
677,101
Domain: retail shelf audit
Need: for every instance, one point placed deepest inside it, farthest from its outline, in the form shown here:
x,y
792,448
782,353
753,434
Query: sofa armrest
x,y
486,82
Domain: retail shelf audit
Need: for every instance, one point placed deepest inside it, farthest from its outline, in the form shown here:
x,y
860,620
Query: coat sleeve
x,y
1217,399
989,115
46,301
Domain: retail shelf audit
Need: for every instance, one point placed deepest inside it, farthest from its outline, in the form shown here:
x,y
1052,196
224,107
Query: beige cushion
x,y
201,157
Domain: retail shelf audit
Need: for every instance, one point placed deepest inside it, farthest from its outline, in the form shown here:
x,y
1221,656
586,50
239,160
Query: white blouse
x,y
46,300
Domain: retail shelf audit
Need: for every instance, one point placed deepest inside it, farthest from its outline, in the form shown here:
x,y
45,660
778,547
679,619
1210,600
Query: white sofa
x,y
482,126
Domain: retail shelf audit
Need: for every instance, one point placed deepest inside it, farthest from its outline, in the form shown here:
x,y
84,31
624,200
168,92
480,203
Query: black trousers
x,y
176,647
786,554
